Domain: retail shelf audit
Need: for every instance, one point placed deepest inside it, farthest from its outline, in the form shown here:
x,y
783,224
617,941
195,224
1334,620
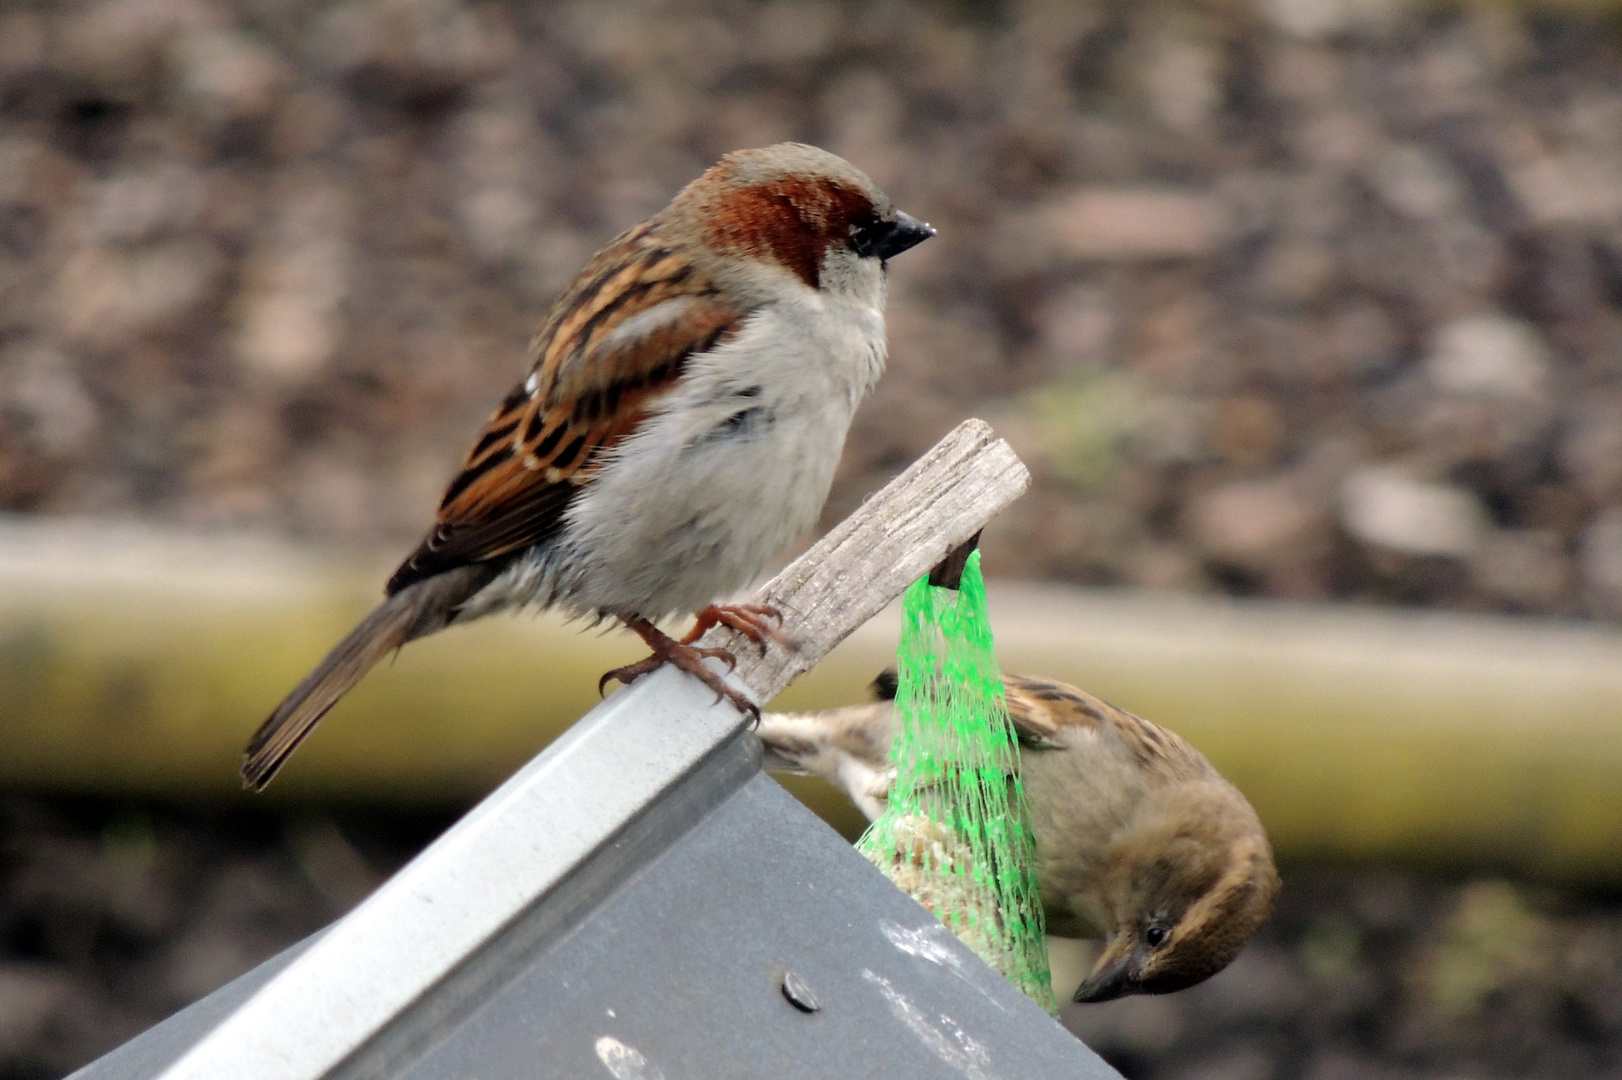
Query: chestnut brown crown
x,y
792,204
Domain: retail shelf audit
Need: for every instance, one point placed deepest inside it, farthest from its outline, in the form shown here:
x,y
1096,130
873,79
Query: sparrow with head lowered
x,y
1139,841
687,401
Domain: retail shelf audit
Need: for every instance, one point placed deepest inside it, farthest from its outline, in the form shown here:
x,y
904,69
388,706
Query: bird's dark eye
x,y
1155,935
866,238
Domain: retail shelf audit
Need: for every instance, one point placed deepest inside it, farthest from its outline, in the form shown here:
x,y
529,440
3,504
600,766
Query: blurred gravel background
x,y
1316,298
1296,298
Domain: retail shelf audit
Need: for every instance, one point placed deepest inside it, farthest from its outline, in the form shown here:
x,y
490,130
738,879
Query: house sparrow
x,y
686,405
1139,841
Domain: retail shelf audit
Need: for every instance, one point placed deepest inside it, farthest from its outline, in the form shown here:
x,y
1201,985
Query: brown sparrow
x,y
1139,841
686,404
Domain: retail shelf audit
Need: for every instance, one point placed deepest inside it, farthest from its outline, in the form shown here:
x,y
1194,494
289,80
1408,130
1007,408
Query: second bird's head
x,y
1192,880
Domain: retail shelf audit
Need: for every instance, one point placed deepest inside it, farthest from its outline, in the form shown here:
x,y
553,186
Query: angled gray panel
x,y
678,974
626,906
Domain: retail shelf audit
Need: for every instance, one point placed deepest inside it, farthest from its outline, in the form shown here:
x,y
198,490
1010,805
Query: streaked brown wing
x,y
615,342
1032,705
1042,708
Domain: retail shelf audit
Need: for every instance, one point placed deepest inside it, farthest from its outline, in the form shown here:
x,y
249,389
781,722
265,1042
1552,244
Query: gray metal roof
x,y
629,905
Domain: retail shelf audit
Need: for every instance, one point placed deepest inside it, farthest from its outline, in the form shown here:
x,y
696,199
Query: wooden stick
x,y
869,559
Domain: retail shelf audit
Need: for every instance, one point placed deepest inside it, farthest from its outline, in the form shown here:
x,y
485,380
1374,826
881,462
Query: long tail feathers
x,y
412,612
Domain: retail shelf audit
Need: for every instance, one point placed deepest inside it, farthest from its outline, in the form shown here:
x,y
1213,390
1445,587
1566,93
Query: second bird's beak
x,y
1111,976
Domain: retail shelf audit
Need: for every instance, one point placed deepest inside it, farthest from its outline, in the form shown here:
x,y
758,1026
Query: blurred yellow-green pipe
x,y
1366,734
136,662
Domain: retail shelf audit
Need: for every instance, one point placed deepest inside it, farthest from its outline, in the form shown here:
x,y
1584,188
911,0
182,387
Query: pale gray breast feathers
x,y
730,469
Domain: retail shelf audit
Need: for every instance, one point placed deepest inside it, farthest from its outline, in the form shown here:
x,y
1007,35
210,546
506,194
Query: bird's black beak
x,y
887,239
1112,978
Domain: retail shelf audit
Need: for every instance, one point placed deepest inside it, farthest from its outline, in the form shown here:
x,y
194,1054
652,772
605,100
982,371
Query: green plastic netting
x,y
956,834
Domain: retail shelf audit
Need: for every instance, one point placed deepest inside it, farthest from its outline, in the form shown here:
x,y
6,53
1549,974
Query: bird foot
x,y
682,655
757,622
879,788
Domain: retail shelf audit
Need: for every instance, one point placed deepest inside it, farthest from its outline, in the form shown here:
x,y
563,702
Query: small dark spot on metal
x,y
798,994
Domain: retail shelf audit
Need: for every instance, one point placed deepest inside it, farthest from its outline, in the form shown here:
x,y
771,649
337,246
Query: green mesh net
x,y
956,835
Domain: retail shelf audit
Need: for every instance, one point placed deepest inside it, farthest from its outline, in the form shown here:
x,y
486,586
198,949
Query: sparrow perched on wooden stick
x,y
1139,841
686,404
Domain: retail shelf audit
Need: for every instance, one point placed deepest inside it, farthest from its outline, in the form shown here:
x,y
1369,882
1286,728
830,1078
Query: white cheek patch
x,y
852,277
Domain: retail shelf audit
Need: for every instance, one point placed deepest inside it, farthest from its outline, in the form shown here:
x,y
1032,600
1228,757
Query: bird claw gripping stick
x,y
956,834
